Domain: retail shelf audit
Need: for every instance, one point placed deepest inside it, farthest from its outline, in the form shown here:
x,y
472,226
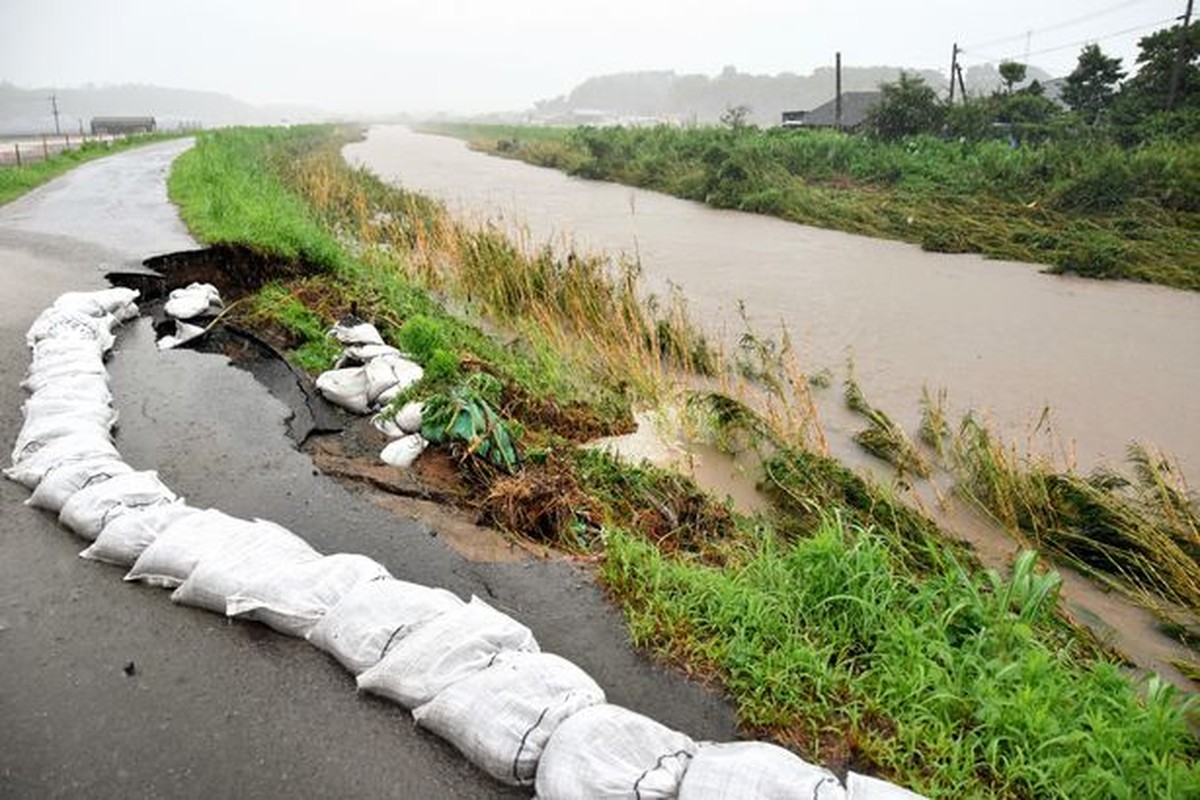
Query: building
x,y
855,106
122,126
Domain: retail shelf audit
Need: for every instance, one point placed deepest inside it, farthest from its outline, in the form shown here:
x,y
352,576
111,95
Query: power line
x,y
1058,25
1088,40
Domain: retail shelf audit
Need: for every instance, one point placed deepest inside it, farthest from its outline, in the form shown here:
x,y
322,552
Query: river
x,y
1114,362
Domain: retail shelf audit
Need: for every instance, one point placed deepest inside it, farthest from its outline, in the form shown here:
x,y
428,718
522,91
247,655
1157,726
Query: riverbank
x,y
1085,207
838,620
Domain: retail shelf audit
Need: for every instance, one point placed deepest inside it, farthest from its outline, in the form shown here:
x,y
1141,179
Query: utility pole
x,y
954,68
1180,56
54,105
837,103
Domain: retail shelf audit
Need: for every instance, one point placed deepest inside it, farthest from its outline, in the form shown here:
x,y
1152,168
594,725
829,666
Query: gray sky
x,y
486,55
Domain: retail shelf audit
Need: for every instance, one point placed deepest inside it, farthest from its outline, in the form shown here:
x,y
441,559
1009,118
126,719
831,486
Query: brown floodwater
x,y
1112,362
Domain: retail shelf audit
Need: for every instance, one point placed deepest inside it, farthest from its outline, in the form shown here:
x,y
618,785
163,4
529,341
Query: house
x,y
855,106
122,126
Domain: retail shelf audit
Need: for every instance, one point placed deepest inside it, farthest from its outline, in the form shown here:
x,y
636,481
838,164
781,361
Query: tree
x,y
1148,90
1091,86
1011,73
906,107
734,117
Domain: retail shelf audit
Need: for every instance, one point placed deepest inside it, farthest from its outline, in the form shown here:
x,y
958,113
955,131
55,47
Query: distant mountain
x,y
29,110
664,94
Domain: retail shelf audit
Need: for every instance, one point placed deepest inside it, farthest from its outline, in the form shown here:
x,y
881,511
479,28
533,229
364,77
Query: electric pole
x,y
954,68
54,105
1181,56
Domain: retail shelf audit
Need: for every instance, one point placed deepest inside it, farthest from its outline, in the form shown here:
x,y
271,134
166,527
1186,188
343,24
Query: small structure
x,y
122,126
854,108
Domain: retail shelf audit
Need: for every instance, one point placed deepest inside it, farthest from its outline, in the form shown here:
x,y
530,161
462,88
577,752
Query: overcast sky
x,y
486,55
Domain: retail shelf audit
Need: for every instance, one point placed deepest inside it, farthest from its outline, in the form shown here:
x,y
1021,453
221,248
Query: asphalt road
x,y
217,709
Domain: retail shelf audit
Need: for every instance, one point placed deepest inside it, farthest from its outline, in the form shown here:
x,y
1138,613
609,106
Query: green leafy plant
x,y
466,415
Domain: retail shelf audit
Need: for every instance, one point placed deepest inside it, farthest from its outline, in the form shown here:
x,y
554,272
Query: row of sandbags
x,y
368,376
467,671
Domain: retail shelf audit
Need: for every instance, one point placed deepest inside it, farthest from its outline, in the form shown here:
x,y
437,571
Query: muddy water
x,y
1113,361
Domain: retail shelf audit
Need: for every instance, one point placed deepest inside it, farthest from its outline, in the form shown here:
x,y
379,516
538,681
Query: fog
x,y
382,56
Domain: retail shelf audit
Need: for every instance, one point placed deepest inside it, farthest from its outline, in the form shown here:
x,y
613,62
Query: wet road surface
x,y
213,708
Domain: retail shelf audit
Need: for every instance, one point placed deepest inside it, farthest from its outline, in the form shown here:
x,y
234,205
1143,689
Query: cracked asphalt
x,y
216,708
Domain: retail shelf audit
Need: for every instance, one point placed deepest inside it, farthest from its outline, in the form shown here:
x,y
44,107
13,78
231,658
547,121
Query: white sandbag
x,y
390,374
387,426
606,751
359,354
864,787
373,616
346,388
56,323
404,451
184,333
501,717
294,598
77,447
49,349
194,300
91,508
38,431
361,333
117,301
66,478
444,651
43,406
755,771
410,416
82,354
84,388
125,538
256,551
169,559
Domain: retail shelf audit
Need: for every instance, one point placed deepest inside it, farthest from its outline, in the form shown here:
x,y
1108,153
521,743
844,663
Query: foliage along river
x,y
1114,362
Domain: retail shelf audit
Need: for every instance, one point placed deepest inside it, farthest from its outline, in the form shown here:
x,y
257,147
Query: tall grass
x,y
1077,204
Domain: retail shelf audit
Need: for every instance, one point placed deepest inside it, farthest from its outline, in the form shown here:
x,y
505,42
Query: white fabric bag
x,y
171,557
194,300
294,598
117,301
403,452
68,477
125,538
39,431
606,751
443,651
373,616
501,717
389,375
91,508
864,787
56,323
346,388
76,447
257,550
755,771
362,333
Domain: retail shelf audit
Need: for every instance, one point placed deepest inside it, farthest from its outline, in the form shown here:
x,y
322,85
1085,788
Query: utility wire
x,y
1058,25
1055,48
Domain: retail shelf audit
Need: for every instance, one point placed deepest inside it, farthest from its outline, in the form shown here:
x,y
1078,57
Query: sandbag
x,y
389,375
606,751
42,406
755,771
76,447
350,333
184,333
41,430
85,388
193,300
125,538
445,650
255,551
40,376
170,558
91,508
373,616
501,717
62,481
359,354
346,388
404,451
50,349
117,301
405,421
54,323
293,599
864,787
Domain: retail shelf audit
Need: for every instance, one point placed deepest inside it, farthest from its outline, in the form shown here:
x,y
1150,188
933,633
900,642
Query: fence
x,y
19,151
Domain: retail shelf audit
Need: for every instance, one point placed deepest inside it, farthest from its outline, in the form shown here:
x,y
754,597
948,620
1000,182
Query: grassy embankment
x,y
16,181
1080,205
839,622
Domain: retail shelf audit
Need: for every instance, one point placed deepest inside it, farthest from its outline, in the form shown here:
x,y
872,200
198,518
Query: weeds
x,y
883,438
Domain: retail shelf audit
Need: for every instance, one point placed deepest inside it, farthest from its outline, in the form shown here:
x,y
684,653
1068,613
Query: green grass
x,y
1080,204
954,685
16,181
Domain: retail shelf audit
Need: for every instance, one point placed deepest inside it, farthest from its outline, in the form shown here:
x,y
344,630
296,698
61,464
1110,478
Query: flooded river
x,y
1114,362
